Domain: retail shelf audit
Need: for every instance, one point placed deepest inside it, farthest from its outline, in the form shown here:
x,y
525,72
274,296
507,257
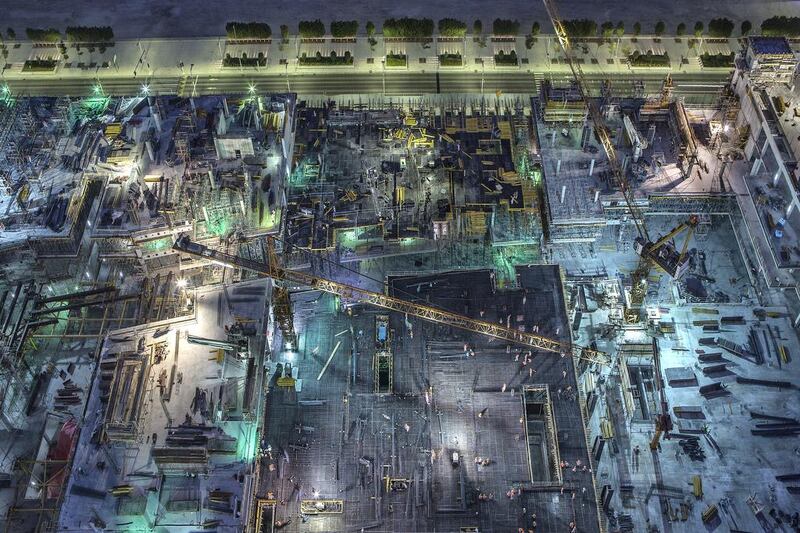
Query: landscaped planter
x,y
230,41
717,60
638,60
326,61
451,60
506,60
396,60
251,62
40,65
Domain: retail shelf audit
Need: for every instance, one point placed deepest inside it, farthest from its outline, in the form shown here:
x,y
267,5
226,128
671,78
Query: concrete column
x,y
790,208
591,167
756,166
775,178
563,192
596,196
651,134
558,167
149,146
154,112
553,139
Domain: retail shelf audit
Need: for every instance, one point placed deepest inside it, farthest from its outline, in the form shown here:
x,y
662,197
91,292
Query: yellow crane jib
x,y
425,312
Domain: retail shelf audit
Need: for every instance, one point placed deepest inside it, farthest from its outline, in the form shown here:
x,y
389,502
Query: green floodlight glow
x,y
97,89
5,95
251,89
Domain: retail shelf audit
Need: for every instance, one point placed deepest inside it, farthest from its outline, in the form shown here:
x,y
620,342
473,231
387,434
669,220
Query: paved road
x,y
695,86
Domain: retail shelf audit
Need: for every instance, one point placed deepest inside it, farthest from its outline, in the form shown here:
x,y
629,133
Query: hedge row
x,y
344,28
49,35
781,26
396,60
311,29
717,60
452,28
326,60
90,34
408,28
648,60
248,30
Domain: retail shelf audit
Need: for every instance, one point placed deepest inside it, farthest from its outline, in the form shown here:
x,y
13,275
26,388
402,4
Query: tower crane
x,y
660,253
274,270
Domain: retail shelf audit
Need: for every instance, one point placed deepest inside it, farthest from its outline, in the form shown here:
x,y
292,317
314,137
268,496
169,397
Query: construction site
x,y
561,311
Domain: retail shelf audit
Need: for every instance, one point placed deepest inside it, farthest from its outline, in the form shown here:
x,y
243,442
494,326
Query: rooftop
x,y
770,45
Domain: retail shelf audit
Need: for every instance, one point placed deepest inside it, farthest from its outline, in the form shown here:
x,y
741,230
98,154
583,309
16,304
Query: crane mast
x,y
649,253
601,130
349,292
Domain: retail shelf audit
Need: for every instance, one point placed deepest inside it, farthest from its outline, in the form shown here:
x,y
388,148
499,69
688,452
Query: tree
x,y
619,31
477,27
698,29
11,33
89,34
408,28
746,27
505,27
720,27
452,28
50,35
248,30
342,29
370,27
681,29
781,27
580,27
660,28
535,29
284,32
311,29
637,28
607,29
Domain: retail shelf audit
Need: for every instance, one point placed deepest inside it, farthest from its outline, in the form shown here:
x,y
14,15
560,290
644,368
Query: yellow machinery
x,y
697,487
638,291
285,379
349,196
311,507
649,252
395,484
356,294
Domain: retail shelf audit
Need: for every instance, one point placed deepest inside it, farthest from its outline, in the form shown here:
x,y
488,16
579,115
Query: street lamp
x,y
145,89
251,89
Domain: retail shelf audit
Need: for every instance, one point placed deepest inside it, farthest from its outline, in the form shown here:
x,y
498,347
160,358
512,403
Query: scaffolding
x,y
541,436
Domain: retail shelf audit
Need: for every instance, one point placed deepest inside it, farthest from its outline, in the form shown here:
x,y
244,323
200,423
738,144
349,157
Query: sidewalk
x,y
149,58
